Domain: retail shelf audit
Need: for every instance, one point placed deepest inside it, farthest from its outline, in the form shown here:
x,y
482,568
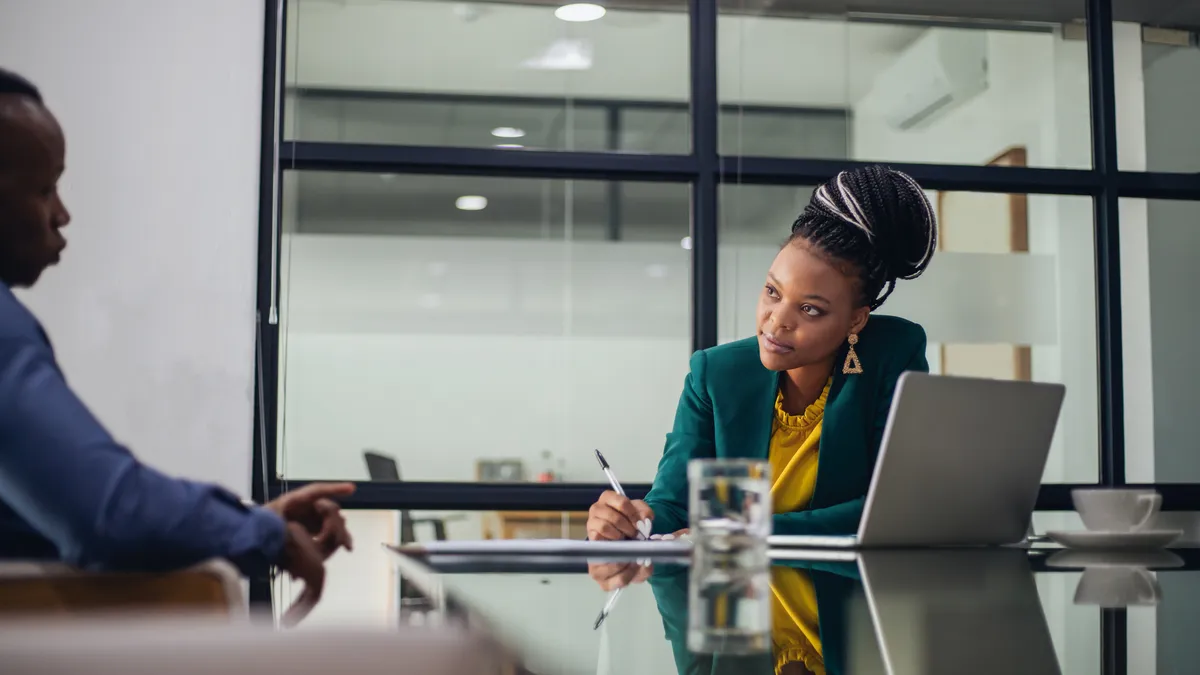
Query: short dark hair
x,y
878,220
12,83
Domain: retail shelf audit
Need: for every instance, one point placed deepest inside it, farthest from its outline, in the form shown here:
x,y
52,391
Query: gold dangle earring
x,y
853,366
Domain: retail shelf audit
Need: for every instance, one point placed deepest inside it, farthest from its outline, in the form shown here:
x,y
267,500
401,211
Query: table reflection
x,y
809,604
896,612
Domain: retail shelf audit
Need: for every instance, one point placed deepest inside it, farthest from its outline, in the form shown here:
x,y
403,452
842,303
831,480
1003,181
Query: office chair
x,y
383,468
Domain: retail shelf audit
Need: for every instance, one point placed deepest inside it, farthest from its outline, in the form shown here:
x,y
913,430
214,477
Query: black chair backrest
x,y
381,467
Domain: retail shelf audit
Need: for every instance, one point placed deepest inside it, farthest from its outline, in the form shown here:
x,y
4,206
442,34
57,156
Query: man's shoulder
x,y
16,321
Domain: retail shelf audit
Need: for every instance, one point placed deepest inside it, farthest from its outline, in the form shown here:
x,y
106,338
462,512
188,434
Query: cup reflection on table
x,y
729,601
729,503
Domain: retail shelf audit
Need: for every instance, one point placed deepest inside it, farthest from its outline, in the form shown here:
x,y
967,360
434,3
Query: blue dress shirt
x,y
71,492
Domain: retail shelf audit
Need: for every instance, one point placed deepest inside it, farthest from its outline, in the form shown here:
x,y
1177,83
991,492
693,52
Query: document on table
x,y
549,547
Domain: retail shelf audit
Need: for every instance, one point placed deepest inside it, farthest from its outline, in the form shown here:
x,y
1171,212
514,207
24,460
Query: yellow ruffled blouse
x,y
794,451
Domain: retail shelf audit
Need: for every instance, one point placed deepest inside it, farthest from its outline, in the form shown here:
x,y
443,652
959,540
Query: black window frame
x,y
705,169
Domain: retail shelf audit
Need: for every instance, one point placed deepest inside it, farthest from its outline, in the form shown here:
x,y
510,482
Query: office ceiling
x,y
1165,13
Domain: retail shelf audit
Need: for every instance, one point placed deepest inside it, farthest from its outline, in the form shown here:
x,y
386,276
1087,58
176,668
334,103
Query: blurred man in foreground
x,y
69,491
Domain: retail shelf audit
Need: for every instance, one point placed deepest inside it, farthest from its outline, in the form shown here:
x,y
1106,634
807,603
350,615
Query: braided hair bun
x,y
877,219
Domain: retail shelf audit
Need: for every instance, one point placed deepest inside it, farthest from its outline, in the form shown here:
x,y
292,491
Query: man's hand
x,y
304,561
313,509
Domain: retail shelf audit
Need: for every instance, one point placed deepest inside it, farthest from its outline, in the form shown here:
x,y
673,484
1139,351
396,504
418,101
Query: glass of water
x,y
729,502
729,603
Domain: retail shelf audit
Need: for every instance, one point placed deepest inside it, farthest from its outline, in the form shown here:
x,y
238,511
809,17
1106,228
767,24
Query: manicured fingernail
x,y
645,562
656,536
644,526
668,537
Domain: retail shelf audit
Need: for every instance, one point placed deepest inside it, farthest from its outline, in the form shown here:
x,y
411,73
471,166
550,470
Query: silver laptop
x,y
960,464
949,612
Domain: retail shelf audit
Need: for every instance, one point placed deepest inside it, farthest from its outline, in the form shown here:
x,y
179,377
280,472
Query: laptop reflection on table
x,y
949,612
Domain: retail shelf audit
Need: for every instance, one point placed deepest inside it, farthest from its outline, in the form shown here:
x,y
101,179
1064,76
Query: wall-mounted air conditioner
x,y
942,70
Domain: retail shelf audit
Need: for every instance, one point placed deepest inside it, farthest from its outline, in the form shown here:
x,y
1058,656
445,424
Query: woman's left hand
x,y
678,534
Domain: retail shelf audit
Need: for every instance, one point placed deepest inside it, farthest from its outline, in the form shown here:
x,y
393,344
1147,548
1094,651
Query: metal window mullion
x,y
705,117
1107,241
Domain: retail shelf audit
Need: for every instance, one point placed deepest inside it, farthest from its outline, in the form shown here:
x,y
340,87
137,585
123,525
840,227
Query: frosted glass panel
x,y
983,298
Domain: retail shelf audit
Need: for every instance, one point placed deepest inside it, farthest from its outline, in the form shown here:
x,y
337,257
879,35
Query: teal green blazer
x,y
728,403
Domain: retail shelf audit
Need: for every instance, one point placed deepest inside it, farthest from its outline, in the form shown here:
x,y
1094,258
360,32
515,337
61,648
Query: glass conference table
x,y
920,612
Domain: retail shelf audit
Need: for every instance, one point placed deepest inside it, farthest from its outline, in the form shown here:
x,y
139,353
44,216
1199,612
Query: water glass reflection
x,y
730,502
729,603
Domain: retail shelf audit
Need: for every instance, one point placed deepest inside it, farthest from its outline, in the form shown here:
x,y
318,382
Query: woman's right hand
x,y
612,576
615,517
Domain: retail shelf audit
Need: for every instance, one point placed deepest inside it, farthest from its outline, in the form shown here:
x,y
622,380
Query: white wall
x,y
152,308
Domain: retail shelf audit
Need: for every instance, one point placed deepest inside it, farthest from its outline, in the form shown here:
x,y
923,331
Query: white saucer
x,y
1140,540
1092,559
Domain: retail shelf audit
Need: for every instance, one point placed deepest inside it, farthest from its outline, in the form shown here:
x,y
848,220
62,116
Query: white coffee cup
x,y
1117,587
1116,510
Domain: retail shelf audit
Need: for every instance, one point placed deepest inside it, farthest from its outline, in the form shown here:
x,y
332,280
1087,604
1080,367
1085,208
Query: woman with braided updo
x,y
811,391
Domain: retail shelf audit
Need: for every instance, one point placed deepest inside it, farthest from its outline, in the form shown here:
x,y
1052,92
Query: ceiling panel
x,y
1179,13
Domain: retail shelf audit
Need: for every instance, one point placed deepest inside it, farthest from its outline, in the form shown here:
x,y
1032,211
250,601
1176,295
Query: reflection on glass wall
x,y
1153,101
481,74
900,89
1160,317
1010,293
1157,87
918,88
480,329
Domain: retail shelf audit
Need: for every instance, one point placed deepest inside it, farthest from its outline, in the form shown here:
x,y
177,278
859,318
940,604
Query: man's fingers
x,y
301,608
315,491
306,562
333,532
334,537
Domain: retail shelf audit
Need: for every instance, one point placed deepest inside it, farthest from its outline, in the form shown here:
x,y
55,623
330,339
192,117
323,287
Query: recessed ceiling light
x,y
579,12
510,146
471,203
686,243
508,132
563,54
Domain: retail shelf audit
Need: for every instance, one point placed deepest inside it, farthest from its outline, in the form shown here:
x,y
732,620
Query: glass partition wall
x,y
493,232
